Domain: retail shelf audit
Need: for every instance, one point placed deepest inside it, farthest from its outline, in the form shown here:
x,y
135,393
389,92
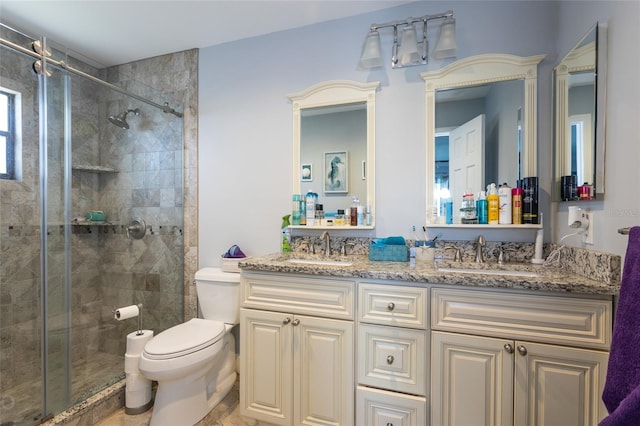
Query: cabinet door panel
x,y
266,363
559,385
471,380
323,371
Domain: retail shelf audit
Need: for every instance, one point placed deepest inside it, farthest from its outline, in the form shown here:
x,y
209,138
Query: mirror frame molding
x,y
478,70
332,93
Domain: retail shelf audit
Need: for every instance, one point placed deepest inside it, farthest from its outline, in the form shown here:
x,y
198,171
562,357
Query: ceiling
x,y
110,32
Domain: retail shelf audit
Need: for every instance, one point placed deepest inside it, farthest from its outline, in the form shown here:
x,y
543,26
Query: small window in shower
x,y
9,133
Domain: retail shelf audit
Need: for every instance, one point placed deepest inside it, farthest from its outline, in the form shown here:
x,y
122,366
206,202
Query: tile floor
x,y
226,413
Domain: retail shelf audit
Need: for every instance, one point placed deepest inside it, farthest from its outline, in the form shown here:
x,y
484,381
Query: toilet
x,y
194,363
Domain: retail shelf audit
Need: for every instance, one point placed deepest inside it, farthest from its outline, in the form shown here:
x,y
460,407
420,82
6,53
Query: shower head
x,y
121,119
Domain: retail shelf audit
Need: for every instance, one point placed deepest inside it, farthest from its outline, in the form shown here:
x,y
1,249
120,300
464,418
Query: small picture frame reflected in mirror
x,y
336,172
306,173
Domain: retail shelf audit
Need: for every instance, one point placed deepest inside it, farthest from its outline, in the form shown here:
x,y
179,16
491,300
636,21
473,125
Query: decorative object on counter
x,y
286,234
392,249
530,200
408,51
621,393
425,251
230,258
504,196
516,206
96,216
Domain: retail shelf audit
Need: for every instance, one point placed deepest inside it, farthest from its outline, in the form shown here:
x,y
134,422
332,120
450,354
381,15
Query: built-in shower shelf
x,y
94,169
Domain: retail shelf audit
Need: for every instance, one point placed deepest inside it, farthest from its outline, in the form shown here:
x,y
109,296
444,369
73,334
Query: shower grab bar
x,y
43,57
624,231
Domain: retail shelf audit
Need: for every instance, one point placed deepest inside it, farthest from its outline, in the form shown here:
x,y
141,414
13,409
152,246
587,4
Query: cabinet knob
x,y
286,321
296,322
389,424
390,359
522,350
508,347
391,306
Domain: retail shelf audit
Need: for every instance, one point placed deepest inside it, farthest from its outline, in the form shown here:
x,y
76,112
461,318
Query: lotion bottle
x,y
482,208
493,205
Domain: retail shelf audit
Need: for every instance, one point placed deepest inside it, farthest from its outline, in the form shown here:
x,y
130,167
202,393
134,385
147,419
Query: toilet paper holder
x,y
119,317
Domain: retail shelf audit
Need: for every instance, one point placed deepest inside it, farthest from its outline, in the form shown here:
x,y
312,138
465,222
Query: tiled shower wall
x,y
152,160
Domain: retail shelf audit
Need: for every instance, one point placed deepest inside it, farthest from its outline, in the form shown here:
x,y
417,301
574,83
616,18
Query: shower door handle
x,y
137,228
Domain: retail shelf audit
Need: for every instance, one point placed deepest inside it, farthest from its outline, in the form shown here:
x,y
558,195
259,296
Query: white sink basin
x,y
490,272
320,262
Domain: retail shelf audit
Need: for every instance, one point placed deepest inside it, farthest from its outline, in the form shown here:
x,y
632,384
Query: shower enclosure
x,y
61,275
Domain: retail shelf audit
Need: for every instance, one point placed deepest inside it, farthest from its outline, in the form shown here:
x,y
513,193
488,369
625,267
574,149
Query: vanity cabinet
x,y
392,355
503,358
297,350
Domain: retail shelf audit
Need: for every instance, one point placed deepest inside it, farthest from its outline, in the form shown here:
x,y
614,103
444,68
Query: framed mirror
x,y
481,126
579,95
334,144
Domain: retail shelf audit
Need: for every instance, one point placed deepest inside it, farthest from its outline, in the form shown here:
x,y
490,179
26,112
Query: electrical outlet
x,y
587,237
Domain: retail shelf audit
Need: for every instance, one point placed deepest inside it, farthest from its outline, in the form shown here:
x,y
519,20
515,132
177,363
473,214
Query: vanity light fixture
x,y
407,50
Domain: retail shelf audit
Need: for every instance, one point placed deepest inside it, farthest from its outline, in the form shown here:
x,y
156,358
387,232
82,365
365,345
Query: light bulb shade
x,y
446,46
371,56
408,52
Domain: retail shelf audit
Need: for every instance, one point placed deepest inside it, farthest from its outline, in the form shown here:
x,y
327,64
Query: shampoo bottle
x,y
504,196
493,205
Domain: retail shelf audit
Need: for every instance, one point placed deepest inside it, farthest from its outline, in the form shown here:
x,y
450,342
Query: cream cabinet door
x,y
471,380
557,385
296,370
324,378
266,366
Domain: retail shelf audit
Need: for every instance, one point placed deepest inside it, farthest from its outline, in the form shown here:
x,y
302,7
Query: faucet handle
x,y
457,257
345,244
502,254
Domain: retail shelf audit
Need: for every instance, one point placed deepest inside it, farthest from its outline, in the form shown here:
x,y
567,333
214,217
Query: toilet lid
x,y
184,339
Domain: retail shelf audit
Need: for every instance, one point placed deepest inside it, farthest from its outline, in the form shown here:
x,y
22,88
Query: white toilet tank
x,y
219,295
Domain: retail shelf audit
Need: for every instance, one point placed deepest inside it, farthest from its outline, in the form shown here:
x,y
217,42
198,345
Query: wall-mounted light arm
x,y
407,55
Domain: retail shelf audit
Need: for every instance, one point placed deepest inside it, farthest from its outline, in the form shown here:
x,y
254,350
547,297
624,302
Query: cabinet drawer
x,y
392,358
378,407
552,319
392,305
296,294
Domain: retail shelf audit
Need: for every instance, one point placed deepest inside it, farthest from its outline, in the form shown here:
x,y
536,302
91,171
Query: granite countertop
x,y
550,279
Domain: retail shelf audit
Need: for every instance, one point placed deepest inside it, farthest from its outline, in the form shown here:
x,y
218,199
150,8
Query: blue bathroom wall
x,y
245,121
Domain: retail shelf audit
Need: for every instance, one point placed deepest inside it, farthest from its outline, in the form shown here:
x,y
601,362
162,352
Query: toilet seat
x,y
183,339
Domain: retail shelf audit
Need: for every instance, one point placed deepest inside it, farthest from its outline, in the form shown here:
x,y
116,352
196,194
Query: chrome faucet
x,y
480,243
327,243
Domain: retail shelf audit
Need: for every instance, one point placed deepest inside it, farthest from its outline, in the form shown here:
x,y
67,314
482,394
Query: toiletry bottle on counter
x,y
482,208
295,209
355,202
310,201
468,210
530,200
516,206
504,196
493,205
286,234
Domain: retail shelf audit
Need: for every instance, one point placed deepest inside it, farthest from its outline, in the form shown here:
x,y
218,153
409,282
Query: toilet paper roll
x,y
126,312
135,342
